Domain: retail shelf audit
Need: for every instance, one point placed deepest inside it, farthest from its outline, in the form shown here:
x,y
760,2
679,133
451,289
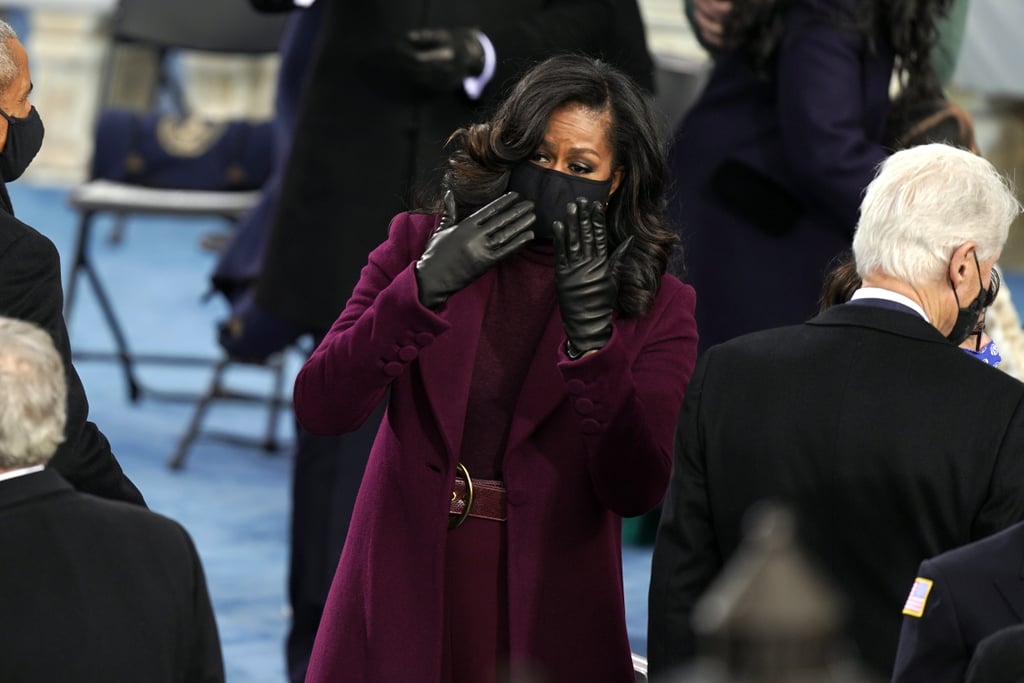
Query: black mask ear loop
x,y
967,318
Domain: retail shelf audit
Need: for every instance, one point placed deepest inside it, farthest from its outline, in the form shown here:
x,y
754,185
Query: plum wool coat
x,y
590,440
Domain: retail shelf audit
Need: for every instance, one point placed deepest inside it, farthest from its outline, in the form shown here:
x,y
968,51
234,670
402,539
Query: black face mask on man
x,y
967,317
551,191
24,140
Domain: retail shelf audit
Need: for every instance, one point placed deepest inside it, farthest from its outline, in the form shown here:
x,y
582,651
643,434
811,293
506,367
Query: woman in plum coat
x,y
535,355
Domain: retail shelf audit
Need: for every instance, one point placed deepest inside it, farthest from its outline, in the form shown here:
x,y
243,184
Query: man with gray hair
x,y
91,589
889,443
30,284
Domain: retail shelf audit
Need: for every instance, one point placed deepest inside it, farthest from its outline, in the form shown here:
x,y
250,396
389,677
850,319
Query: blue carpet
x,y
233,500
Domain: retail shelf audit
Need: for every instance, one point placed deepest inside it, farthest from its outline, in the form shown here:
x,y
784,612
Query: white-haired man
x,y
30,285
889,443
91,589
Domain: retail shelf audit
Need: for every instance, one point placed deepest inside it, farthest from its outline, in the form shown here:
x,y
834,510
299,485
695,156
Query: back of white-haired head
x,y
33,395
8,67
925,202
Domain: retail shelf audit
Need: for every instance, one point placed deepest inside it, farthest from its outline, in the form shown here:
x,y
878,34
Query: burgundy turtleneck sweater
x,y
518,310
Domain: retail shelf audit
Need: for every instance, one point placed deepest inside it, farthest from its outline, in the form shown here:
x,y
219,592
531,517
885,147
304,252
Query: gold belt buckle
x,y
457,522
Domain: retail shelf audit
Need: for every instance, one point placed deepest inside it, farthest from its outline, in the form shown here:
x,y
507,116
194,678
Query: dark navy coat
x,y
976,590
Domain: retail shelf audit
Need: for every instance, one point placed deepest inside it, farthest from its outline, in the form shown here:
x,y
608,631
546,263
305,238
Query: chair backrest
x,y
640,668
230,26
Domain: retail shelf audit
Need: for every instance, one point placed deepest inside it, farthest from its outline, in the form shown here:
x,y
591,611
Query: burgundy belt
x,y
482,498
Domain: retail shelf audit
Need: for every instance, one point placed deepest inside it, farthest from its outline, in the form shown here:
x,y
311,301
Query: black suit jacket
x,y
30,289
366,140
890,444
98,590
976,590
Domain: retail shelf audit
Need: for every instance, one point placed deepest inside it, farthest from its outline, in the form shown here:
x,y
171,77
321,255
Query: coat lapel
x,y
447,368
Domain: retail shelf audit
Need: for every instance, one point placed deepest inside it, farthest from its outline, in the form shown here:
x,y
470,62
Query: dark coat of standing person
x,y
957,600
93,590
890,444
999,658
770,164
535,354
386,85
30,281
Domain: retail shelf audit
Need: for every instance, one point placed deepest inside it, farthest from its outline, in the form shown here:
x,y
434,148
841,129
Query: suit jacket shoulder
x,y
127,582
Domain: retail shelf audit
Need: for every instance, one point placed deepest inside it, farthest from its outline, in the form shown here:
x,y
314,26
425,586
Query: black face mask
x,y
967,318
550,191
24,139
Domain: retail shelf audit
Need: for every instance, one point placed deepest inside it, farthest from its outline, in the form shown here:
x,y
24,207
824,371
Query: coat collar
x,y
448,370
19,490
880,315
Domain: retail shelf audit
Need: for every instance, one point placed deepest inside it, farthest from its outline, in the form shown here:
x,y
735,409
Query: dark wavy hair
x,y
907,26
483,154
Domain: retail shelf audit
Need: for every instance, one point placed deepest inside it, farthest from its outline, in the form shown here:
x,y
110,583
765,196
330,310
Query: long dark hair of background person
x,y
909,25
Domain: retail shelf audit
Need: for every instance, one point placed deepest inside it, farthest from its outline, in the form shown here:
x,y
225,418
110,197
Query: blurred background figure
x,y
385,85
249,332
771,161
92,589
708,18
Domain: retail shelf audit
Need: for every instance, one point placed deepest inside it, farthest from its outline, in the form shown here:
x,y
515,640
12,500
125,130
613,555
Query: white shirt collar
x,y
889,295
20,472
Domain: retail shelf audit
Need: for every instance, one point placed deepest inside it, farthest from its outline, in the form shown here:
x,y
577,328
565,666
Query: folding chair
x,y
640,668
160,29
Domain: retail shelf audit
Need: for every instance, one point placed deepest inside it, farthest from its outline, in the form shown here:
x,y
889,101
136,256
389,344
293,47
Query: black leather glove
x,y
461,251
586,278
438,59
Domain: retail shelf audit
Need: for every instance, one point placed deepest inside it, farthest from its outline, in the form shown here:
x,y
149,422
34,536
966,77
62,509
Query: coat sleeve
x,y
30,290
686,554
377,335
931,647
822,113
627,404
